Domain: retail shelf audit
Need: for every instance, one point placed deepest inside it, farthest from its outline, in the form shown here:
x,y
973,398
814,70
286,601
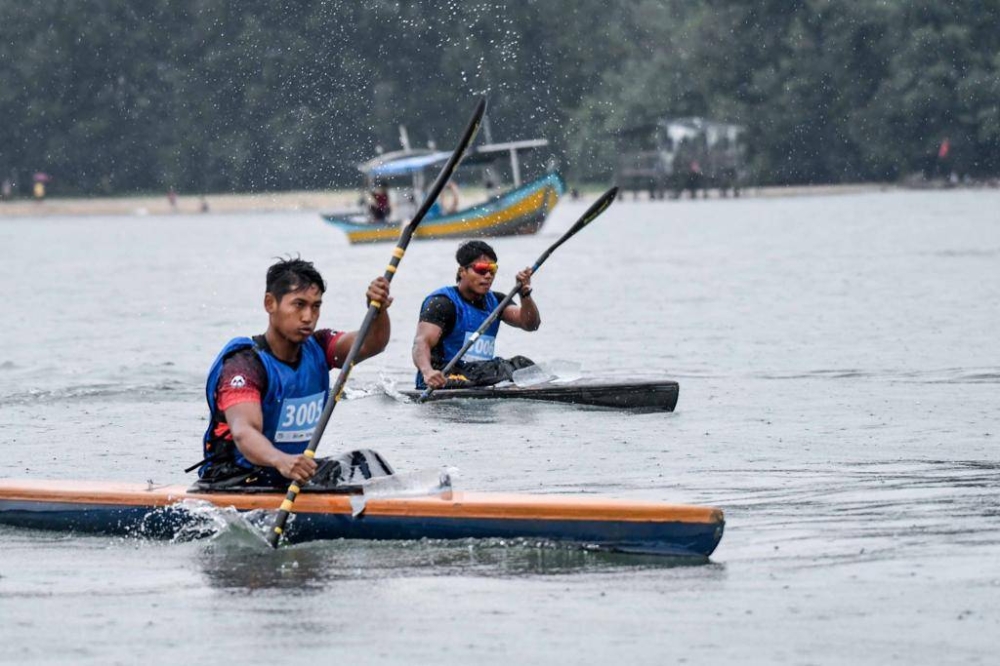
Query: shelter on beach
x,y
674,155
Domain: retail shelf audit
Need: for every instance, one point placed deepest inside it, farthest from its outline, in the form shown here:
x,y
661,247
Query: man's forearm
x,y
378,336
422,356
530,318
257,448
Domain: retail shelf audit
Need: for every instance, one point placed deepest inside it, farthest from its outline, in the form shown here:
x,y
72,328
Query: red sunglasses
x,y
484,267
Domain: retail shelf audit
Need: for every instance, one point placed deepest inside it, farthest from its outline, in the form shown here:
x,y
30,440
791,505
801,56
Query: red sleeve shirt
x,y
328,340
243,379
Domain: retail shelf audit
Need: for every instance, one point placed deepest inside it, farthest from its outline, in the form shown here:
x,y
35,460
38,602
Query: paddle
x,y
397,254
592,213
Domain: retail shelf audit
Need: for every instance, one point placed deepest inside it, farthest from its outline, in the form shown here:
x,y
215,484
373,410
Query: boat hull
x,y
134,509
653,395
520,211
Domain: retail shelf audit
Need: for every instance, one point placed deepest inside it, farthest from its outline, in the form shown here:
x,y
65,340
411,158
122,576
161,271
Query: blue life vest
x,y
468,319
294,401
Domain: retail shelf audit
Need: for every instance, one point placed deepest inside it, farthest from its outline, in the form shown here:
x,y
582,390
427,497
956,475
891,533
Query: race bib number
x,y
299,417
482,349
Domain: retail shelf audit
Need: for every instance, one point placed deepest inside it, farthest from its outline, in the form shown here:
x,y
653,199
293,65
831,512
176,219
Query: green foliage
x,y
220,95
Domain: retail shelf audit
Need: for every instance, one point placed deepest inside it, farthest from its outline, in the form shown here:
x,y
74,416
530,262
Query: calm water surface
x,y
839,379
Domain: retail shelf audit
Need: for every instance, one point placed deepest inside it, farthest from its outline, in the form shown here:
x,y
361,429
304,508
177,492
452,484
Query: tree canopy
x,y
226,95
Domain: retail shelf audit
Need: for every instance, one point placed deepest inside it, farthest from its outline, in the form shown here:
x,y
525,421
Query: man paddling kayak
x,y
266,393
450,315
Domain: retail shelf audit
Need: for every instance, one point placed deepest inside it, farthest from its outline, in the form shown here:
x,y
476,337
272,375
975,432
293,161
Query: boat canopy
x,y
408,162
403,165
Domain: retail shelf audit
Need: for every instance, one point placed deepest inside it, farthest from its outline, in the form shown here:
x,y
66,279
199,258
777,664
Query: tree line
x,y
226,95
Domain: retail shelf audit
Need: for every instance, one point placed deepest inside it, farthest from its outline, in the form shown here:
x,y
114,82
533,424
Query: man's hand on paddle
x,y
524,278
435,379
378,290
298,468
524,316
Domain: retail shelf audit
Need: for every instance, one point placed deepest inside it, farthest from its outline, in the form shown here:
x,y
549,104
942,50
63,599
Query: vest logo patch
x,y
239,381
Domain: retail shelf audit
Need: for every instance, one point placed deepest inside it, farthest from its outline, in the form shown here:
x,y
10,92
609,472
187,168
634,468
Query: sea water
x,y
839,377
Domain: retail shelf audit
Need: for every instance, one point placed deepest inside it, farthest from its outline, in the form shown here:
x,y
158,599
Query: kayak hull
x,y
643,395
134,509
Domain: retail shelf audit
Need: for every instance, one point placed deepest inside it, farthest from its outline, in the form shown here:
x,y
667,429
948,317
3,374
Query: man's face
x,y
478,276
295,316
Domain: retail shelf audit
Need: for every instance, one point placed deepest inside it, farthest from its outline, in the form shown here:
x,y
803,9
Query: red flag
x,y
943,150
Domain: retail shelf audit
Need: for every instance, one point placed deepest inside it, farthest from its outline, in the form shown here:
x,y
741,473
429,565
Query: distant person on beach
x,y
942,167
6,189
379,206
266,393
450,315
203,205
172,198
446,203
39,191
695,178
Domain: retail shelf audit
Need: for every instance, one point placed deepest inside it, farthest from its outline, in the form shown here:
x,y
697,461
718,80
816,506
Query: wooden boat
x,y
154,511
650,395
519,211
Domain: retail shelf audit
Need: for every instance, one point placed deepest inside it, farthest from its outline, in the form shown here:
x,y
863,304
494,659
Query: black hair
x,y
471,250
290,275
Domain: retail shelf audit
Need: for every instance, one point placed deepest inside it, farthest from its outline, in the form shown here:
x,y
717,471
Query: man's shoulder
x,y
438,310
325,335
444,292
437,301
241,369
245,356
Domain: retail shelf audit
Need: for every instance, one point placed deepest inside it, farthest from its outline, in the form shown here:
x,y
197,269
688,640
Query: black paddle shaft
x,y
337,389
592,213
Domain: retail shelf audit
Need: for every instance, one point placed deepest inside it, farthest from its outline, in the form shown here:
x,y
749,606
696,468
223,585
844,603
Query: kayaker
x,y
266,393
450,314
379,206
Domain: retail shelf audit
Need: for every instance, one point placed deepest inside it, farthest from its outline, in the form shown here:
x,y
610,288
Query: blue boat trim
x,y
504,215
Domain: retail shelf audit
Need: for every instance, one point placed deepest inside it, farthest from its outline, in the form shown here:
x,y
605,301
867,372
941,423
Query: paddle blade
x,y
468,136
595,209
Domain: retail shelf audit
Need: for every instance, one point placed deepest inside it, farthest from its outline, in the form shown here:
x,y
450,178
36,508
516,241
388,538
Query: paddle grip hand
x,y
378,290
298,468
435,379
524,279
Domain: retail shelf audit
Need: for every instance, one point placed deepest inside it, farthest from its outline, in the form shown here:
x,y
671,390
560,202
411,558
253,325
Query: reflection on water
x,y
230,564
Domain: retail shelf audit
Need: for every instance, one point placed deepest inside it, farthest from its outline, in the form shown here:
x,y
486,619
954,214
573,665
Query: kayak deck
x,y
652,395
620,525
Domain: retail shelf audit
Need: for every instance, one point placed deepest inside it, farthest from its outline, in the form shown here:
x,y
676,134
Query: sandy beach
x,y
317,201
326,200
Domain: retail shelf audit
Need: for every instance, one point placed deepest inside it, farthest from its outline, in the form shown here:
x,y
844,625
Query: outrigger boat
x,y
520,210
649,395
159,511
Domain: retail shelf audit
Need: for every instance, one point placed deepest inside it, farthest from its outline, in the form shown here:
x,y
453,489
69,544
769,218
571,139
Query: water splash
x,y
556,371
194,520
434,481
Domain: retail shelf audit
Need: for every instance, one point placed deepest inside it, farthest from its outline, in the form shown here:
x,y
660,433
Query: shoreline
x,y
265,202
324,201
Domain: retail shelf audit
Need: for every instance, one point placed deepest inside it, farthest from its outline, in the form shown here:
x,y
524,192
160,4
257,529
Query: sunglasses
x,y
484,267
